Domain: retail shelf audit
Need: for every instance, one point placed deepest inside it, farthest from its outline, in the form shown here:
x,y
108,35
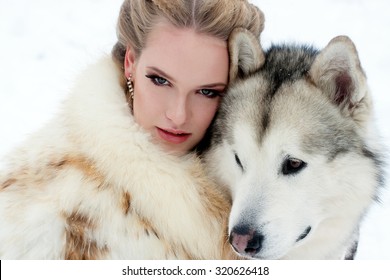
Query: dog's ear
x,y
246,54
337,72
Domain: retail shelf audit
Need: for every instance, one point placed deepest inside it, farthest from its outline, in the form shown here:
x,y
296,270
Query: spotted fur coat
x,y
91,185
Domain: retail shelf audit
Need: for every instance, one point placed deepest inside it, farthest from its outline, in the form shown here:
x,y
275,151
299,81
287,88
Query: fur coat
x,y
91,185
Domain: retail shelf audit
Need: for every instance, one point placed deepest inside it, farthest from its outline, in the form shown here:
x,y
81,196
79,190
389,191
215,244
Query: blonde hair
x,y
212,17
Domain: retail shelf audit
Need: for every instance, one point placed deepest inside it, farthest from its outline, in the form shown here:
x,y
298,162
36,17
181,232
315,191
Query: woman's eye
x,y
210,93
157,80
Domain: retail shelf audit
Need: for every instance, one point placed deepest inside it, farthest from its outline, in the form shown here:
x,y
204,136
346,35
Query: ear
x,y
129,62
246,54
337,72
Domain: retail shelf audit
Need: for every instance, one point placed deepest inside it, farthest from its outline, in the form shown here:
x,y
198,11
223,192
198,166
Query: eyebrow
x,y
162,73
165,75
214,85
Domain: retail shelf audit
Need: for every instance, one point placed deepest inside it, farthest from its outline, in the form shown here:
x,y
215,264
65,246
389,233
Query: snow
x,y
47,42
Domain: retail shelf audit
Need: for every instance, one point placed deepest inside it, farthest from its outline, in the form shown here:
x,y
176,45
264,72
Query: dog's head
x,y
293,142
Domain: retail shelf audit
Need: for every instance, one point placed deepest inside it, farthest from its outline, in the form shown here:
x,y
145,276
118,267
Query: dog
x,y
296,145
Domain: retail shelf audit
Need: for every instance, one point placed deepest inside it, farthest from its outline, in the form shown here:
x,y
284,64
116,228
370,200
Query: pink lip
x,y
173,136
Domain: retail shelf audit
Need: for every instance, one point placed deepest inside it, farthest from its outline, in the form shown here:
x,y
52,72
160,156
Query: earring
x,y
130,86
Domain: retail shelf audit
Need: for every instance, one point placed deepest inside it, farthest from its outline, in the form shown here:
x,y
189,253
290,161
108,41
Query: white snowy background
x,y
45,43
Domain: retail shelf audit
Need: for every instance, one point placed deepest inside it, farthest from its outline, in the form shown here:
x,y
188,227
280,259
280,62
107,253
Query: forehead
x,y
296,115
183,53
282,106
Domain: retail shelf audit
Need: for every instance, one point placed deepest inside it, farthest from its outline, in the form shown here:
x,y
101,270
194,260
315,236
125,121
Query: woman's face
x,y
178,82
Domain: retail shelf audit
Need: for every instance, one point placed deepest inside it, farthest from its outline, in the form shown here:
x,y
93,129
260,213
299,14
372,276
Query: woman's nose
x,y
178,111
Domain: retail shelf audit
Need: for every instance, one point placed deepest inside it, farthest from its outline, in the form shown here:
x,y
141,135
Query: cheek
x,y
205,113
146,104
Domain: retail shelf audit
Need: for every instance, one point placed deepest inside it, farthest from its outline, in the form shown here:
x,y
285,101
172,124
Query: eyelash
x,y
212,94
154,79
164,82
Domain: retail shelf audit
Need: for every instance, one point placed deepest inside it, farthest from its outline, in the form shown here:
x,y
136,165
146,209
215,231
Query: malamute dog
x,y
295,143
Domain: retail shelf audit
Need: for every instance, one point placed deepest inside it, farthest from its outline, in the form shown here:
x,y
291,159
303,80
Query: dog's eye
x,y
292,166
238,161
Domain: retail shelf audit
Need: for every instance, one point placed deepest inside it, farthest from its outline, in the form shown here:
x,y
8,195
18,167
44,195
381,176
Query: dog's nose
x,y
245,240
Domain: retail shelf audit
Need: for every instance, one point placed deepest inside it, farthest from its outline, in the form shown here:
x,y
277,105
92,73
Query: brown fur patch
x,y
217,203
126,202
23,176
186,254
8,183
147,225
82,164
78,245
172,251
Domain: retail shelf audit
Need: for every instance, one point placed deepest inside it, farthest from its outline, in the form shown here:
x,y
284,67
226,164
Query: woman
x,y
112,176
